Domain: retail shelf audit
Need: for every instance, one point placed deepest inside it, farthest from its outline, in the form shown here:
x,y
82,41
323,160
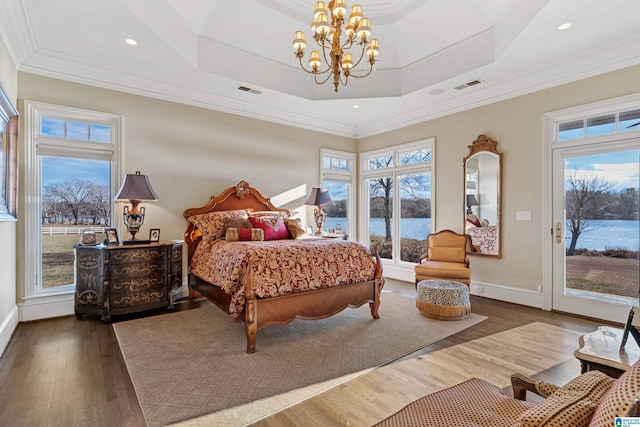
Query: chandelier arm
x,y
365,75
323,81
303,67
348,44
311,71
359,59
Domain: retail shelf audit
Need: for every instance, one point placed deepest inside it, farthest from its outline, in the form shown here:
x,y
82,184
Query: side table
x,y
600,350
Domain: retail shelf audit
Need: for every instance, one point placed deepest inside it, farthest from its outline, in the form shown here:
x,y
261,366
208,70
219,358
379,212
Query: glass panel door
x,y
596,266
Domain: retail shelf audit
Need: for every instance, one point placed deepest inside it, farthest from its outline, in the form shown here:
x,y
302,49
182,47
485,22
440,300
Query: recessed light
x,y
565,26
355,107
131,42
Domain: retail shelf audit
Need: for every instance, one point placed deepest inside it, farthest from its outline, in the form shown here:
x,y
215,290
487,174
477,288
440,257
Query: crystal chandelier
x,y
338,62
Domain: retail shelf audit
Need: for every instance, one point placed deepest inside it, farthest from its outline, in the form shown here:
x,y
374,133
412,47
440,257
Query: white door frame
x,y
550,127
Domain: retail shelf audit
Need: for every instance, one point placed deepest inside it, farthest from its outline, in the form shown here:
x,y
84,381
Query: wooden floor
x,y
70,372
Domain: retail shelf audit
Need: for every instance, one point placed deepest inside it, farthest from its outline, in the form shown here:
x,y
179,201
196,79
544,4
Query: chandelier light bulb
x,y
339,8
364,30
347,61
320,8
314,60
299,43
322,24
373,49
356,14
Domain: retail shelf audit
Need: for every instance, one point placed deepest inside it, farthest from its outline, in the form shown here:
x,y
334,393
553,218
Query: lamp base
x,y
135,242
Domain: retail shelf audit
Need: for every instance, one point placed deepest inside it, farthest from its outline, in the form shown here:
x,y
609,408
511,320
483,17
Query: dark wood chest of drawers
x,y
113,280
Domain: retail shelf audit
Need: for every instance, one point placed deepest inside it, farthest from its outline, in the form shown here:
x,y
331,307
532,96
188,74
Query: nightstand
x,y
113,280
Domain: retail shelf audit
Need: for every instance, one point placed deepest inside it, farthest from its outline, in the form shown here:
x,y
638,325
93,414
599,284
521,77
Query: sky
x,y
57,169
622,168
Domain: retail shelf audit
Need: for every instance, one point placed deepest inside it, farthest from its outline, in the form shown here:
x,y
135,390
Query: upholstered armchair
x,y
446,258
593,399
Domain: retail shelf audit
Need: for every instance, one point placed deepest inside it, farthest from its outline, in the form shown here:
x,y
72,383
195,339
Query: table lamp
x,y
319,197
135,188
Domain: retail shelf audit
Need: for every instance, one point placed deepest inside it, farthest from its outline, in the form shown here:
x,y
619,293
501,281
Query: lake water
x,y
608,234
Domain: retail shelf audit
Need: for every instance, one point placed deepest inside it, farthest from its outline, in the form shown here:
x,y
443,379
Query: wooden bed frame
x,y
280,310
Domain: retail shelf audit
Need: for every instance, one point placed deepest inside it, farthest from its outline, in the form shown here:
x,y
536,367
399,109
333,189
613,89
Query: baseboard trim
x,y
507,294
7,328
45,307
482,289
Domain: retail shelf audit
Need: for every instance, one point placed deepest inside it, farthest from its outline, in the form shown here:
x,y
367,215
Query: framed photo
x,y
112,236
154,235
633,323
8,158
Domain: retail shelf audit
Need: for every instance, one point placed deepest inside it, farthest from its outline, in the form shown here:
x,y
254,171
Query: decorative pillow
x,y
446,254
235,234
473,219
618,401
211,224
570,405
273,227
282,214
295,228
233,222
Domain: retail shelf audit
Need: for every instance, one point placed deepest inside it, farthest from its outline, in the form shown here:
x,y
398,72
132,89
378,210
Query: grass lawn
x,y
616,276
58,258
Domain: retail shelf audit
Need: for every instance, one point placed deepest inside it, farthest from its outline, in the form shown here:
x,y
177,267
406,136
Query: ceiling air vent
x,y
469,84
248,89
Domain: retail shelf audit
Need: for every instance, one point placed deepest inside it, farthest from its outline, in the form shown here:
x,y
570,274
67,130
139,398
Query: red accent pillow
x,y
273,228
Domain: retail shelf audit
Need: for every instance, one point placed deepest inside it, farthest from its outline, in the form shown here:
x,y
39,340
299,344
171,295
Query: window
x,y
338,177
397,200
71,178
602,124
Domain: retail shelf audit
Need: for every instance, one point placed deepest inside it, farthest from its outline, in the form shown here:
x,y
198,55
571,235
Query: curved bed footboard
x,y
285,309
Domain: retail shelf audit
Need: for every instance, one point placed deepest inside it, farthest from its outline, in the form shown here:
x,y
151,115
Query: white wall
x,y
517,125
191,153
8,308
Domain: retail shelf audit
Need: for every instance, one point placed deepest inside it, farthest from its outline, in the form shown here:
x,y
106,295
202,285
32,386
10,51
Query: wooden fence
x,y
70,230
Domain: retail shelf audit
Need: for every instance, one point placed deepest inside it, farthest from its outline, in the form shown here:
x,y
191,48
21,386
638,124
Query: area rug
x,y
193,362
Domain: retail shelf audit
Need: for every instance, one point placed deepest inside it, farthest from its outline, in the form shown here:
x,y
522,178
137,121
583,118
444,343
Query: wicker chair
x,y
446,258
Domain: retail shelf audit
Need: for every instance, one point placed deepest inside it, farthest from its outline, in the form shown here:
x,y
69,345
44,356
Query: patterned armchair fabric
x,y
591,400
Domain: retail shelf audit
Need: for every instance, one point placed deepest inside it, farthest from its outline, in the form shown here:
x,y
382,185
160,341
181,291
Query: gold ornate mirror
x,y
482,197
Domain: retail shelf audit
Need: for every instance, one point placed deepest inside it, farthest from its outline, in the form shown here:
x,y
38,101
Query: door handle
x,y
559,236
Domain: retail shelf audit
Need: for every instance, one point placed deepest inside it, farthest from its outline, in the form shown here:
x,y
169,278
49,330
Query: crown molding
x,y
54,65
516,85
16,29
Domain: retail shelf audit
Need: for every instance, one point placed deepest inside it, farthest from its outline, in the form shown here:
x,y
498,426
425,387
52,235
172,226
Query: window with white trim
x,y
397,199
339,178
73,168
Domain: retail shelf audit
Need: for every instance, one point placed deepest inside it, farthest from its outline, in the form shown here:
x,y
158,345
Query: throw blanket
x,y
280,267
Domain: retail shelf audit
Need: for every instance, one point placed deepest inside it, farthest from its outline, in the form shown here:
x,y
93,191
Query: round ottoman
x,y
443,299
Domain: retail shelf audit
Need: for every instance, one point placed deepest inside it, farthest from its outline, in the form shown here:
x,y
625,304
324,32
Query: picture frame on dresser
x,y
8,158
631,327
154,235
112,236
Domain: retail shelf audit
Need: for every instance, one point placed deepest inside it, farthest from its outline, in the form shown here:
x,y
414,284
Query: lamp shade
x,y
471,200
319,197
136,187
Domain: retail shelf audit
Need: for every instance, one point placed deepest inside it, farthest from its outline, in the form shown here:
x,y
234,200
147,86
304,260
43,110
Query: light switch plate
x,y
523,216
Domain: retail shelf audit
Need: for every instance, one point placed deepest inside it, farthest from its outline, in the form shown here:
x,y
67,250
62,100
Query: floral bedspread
x,y
485,238
280,267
